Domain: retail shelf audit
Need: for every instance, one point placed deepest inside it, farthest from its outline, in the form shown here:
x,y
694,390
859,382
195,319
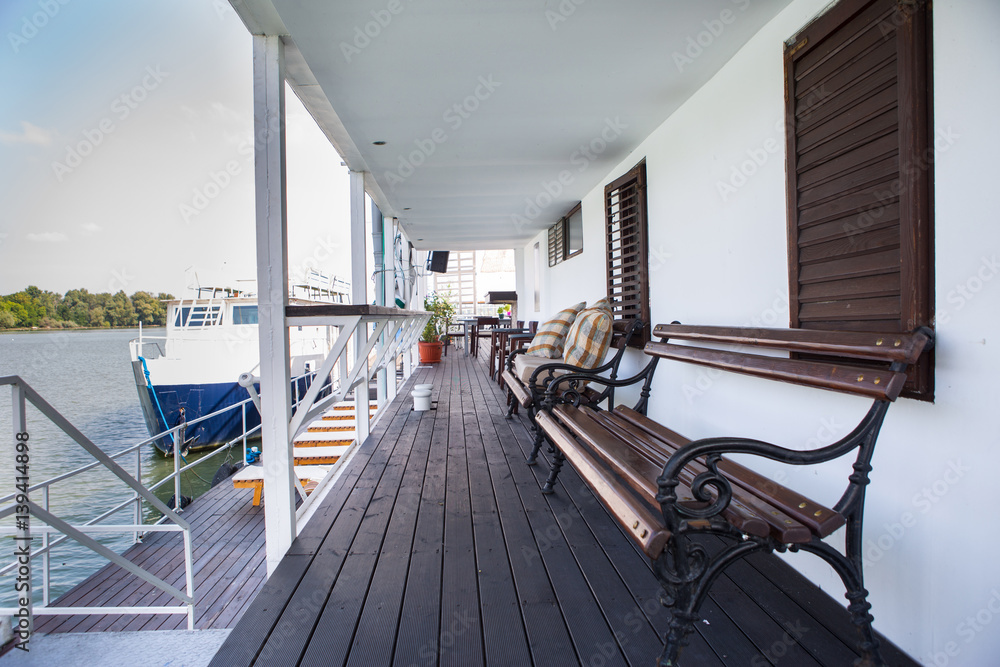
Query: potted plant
x,y
441,311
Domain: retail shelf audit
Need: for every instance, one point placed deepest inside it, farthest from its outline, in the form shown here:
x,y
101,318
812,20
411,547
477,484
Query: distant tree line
x,y
33,307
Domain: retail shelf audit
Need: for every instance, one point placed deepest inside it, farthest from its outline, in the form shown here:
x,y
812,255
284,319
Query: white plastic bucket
x,y
421,399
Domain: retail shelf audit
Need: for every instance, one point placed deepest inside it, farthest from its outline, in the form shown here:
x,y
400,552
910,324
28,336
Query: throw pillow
x,y
551,336
589,338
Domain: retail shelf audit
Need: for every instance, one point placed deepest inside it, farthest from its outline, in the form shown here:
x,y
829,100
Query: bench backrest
x,y
898,350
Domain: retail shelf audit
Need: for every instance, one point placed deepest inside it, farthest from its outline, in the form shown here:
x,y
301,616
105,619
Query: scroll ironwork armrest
x,y
572,392
862,438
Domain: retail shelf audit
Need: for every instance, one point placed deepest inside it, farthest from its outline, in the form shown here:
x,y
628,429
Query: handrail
x,y
24,508
366,346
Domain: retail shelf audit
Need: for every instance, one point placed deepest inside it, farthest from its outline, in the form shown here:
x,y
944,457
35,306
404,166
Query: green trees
x,y
32,307
150,309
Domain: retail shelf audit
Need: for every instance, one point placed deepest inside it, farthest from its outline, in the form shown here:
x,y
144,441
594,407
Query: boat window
x,y
198,316
244,314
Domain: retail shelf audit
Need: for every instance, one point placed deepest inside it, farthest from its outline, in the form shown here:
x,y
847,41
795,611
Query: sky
x,y
126,163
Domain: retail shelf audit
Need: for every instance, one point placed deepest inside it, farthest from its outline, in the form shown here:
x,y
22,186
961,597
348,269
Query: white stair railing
x,y
23,509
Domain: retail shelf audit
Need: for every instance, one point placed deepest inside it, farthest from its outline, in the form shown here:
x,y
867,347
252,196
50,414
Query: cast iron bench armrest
x,y
554,393
530,394
712,448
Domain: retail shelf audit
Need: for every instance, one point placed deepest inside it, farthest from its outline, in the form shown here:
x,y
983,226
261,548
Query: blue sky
x,y
126,154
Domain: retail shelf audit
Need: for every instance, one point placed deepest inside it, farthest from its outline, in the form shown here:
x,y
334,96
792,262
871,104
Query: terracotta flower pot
x,y
430,353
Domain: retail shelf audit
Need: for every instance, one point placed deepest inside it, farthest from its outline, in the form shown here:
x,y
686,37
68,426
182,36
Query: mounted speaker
x,y
437,261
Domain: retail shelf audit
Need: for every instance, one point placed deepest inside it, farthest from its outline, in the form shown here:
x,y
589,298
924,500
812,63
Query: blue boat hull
x,y
197,400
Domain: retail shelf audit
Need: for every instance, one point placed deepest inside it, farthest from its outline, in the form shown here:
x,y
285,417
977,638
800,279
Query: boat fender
x,y
185,501
225,471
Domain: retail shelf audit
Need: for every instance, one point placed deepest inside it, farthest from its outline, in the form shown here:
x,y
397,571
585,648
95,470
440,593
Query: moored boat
x,y
211,340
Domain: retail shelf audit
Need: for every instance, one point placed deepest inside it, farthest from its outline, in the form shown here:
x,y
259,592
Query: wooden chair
x,y
482,329
514,341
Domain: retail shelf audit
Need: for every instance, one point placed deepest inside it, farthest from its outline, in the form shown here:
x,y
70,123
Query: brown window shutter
x,y
557,243
627,248
860,172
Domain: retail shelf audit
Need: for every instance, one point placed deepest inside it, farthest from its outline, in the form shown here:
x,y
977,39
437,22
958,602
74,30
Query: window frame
x,y
557,237
568,230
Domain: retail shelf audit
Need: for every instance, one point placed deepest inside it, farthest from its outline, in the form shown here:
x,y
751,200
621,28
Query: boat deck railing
x,y
140,523
368,344
23,509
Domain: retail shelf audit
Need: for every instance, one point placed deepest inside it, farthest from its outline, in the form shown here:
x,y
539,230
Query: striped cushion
x,y
589,338
551,336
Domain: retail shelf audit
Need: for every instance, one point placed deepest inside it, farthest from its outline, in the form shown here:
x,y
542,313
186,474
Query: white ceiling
x,y
534,82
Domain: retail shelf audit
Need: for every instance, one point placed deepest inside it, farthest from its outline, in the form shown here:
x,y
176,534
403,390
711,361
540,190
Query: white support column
x,y
362,415
389,242
359,265
272,294
378,247
359,293
390,387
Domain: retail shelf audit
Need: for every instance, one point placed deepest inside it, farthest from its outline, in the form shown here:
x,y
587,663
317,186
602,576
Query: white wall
x,y
718,256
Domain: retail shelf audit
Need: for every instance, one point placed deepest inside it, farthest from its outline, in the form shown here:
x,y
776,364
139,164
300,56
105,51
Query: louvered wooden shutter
x,y
627,248
557,243
859,172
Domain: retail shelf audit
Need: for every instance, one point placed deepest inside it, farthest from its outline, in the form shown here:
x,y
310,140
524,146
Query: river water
x,y
87,377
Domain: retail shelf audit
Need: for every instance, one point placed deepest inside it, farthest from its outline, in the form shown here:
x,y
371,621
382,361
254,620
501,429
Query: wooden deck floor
x,y
228,550
437,548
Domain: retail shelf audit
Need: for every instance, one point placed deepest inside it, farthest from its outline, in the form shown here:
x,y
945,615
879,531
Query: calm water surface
x,y
87,377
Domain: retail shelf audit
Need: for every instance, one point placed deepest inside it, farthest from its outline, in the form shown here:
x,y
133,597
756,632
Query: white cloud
x,y
30,134
91,227
48,237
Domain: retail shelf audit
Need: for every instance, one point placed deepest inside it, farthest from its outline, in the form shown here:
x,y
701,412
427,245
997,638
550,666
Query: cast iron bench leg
x,y
557,463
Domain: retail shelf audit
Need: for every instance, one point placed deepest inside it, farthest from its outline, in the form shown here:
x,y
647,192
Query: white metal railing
x,y
21,506
366,346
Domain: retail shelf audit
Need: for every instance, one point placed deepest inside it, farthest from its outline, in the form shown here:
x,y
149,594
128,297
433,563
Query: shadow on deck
x,y
437,547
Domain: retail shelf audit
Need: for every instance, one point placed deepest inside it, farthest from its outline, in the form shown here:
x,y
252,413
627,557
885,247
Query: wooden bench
x,y
528,393
665,489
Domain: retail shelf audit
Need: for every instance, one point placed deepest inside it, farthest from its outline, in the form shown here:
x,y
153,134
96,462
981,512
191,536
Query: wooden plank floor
x,y
437,548
229,570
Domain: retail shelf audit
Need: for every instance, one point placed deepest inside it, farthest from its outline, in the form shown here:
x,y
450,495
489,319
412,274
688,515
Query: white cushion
x,y
526,364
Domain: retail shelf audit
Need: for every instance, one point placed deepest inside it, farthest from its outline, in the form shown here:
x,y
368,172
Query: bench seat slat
x,y
903,347
640,473
520,393
646,529
786,528
874,383
819,519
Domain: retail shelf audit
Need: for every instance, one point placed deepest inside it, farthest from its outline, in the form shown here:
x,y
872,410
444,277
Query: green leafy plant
x,y
442,311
